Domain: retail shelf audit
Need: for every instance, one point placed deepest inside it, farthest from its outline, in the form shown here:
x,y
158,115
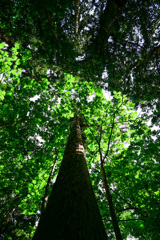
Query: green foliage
x,y
46,75
113,123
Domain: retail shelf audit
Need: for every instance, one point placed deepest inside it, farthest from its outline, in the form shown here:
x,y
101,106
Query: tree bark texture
x,y
72,211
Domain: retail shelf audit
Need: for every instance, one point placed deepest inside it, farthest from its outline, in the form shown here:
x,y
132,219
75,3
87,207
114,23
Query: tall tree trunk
x,y
72,211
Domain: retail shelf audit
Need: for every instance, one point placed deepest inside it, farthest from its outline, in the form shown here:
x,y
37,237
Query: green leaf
x,y
2,94
2,45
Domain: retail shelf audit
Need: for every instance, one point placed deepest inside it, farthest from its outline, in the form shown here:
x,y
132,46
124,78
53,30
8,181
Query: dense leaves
x,y
49,69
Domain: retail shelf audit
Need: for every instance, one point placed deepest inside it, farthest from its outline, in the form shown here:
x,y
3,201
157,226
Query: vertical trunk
x,y
76,17
72,211
111,207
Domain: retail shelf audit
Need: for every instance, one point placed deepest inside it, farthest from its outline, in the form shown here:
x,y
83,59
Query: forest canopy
x,y
102,59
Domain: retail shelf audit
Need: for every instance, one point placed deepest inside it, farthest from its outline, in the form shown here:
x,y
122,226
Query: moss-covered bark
x,y
72,211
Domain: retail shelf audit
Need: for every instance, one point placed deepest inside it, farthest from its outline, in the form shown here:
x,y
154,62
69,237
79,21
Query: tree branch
x,y
132,219
10,124
139,61
46,195
136,209
109,141
90,130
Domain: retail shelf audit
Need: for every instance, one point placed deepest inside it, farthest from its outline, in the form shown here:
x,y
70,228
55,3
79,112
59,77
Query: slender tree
x,y
72,211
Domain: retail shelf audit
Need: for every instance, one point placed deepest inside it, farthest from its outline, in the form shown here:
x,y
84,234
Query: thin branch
x,y
16,122
132,219
139,61
100,136
11,124
46,195
98,142
94,156
90,129
8,125
132,207
113,123
109,139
